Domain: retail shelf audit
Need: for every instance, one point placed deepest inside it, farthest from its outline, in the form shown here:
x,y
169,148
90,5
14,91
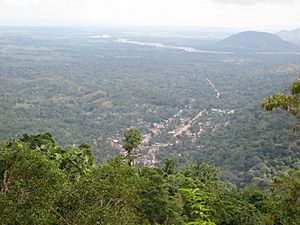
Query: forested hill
x,y
256,42
42,183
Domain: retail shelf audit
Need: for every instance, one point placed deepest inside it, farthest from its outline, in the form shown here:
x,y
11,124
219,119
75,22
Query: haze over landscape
x,y
150,112
239,14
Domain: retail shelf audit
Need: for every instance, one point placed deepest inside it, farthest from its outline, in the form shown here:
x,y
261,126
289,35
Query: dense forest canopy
x,y
42,183
149,112
90,85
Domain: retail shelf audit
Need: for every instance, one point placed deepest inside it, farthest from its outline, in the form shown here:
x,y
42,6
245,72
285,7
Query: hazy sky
x,y
249,14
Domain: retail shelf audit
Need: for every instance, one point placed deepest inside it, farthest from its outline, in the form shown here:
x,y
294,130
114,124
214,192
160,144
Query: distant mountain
x,y
255,42
291,36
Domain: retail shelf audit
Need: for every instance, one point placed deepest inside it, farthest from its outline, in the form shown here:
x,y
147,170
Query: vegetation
x,y
288,103
37,188
83,89
132,139
215,158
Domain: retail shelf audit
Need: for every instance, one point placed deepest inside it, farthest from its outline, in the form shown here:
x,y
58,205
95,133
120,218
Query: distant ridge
x,y
291,36
253,41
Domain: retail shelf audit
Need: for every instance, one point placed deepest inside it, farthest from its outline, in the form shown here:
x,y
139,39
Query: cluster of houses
x,y
182,129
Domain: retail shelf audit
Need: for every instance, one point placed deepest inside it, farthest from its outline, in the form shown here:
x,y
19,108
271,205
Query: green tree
x,y
158,206
263,200
108,195
286,186
37,140
132,139
203,172
72,160
286,190
195,210
168,166
289,103
31,186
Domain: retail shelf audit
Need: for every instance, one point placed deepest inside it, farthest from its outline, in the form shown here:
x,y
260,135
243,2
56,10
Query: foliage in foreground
x,y
42,183
289,103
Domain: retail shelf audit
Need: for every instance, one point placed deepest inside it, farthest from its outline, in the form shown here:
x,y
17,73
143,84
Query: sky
x,y
238,14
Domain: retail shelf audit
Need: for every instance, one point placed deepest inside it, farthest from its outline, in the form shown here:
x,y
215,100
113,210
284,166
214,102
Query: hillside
x,y
291,36
255,41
